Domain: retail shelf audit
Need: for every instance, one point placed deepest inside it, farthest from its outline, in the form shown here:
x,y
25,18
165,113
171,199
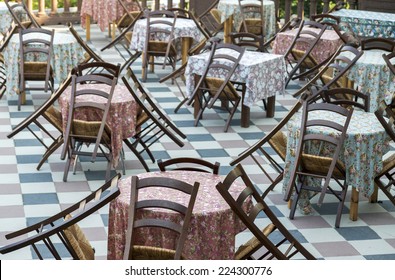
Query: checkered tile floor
x,y
28,195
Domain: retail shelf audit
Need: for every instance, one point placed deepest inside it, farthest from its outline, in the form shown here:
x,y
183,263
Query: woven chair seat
x,y
320,165
55,116
253,244
215,83
90,129
153,253
36,70
279,143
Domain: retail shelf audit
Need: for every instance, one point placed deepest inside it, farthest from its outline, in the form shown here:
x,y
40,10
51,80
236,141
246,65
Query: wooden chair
x,y
95,133
3,44
124,38
160,41
90,55
137,223
273,241
21,15
190,164
252,18
209,89
210,20
298,55
327,168
49,112
131,9
333,73
347,98
59,236
152,123
35,41
249,41
390,61
385,179
378,44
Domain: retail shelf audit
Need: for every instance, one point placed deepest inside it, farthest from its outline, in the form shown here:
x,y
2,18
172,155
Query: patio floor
x,y
27,195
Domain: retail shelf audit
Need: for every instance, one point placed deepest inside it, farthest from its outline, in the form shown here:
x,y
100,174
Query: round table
x,y
371,75
121,117
67,53
213,225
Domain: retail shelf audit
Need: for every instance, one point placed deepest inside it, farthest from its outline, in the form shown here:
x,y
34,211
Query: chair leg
x,y
137,154
66,169
52,148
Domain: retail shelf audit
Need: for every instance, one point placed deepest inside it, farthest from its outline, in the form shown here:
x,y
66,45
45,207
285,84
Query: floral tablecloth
x,y
104,11
67,53
372,75
213,225
183,28
326,46
365,144
369,24
5,17
264,74
231,7
121,117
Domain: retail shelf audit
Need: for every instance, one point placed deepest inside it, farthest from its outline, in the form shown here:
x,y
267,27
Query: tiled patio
x,y
27,195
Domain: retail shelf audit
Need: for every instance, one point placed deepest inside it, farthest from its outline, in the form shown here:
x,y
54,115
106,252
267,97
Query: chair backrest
x,y
334,70
390,61
92,55
386,116
153,113
190,164
62,227
252,17
347,97
99,68
283,246
289,25
209,20
249,41
20,13
96,132
384,44
137,222
33,41
335,139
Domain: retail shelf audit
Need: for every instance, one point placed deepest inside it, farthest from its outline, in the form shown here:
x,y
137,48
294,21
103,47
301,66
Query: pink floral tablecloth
x,y
121,117
213,224
263,73
326,46
104,11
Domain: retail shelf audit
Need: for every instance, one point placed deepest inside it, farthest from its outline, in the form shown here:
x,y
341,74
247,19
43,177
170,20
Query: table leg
x,y
374,197
186,45
228,29
88,27
113,29
245,116
354,204
270,106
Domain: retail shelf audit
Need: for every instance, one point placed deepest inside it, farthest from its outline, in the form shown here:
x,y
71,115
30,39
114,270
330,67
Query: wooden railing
x,y
284,8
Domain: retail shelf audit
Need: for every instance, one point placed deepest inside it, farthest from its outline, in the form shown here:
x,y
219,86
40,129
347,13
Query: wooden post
x,y
66,6
326,6
41,8
353,4
300,8
313,7
287,9
29,4
54,7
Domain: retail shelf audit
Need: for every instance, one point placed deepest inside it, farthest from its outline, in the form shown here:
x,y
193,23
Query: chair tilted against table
x,y
96,133
160,41
249,41
3,44
35,41
252,18
333,73
274,241
139,221
327,168
210,20
152,123
385,179
190,164
298,55
59,236
211,87
347,97
21,15
50,113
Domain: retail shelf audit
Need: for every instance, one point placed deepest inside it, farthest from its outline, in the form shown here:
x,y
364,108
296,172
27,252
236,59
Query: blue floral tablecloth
x,y
365,144
372,75
369,24
67,53
263,73
231,7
